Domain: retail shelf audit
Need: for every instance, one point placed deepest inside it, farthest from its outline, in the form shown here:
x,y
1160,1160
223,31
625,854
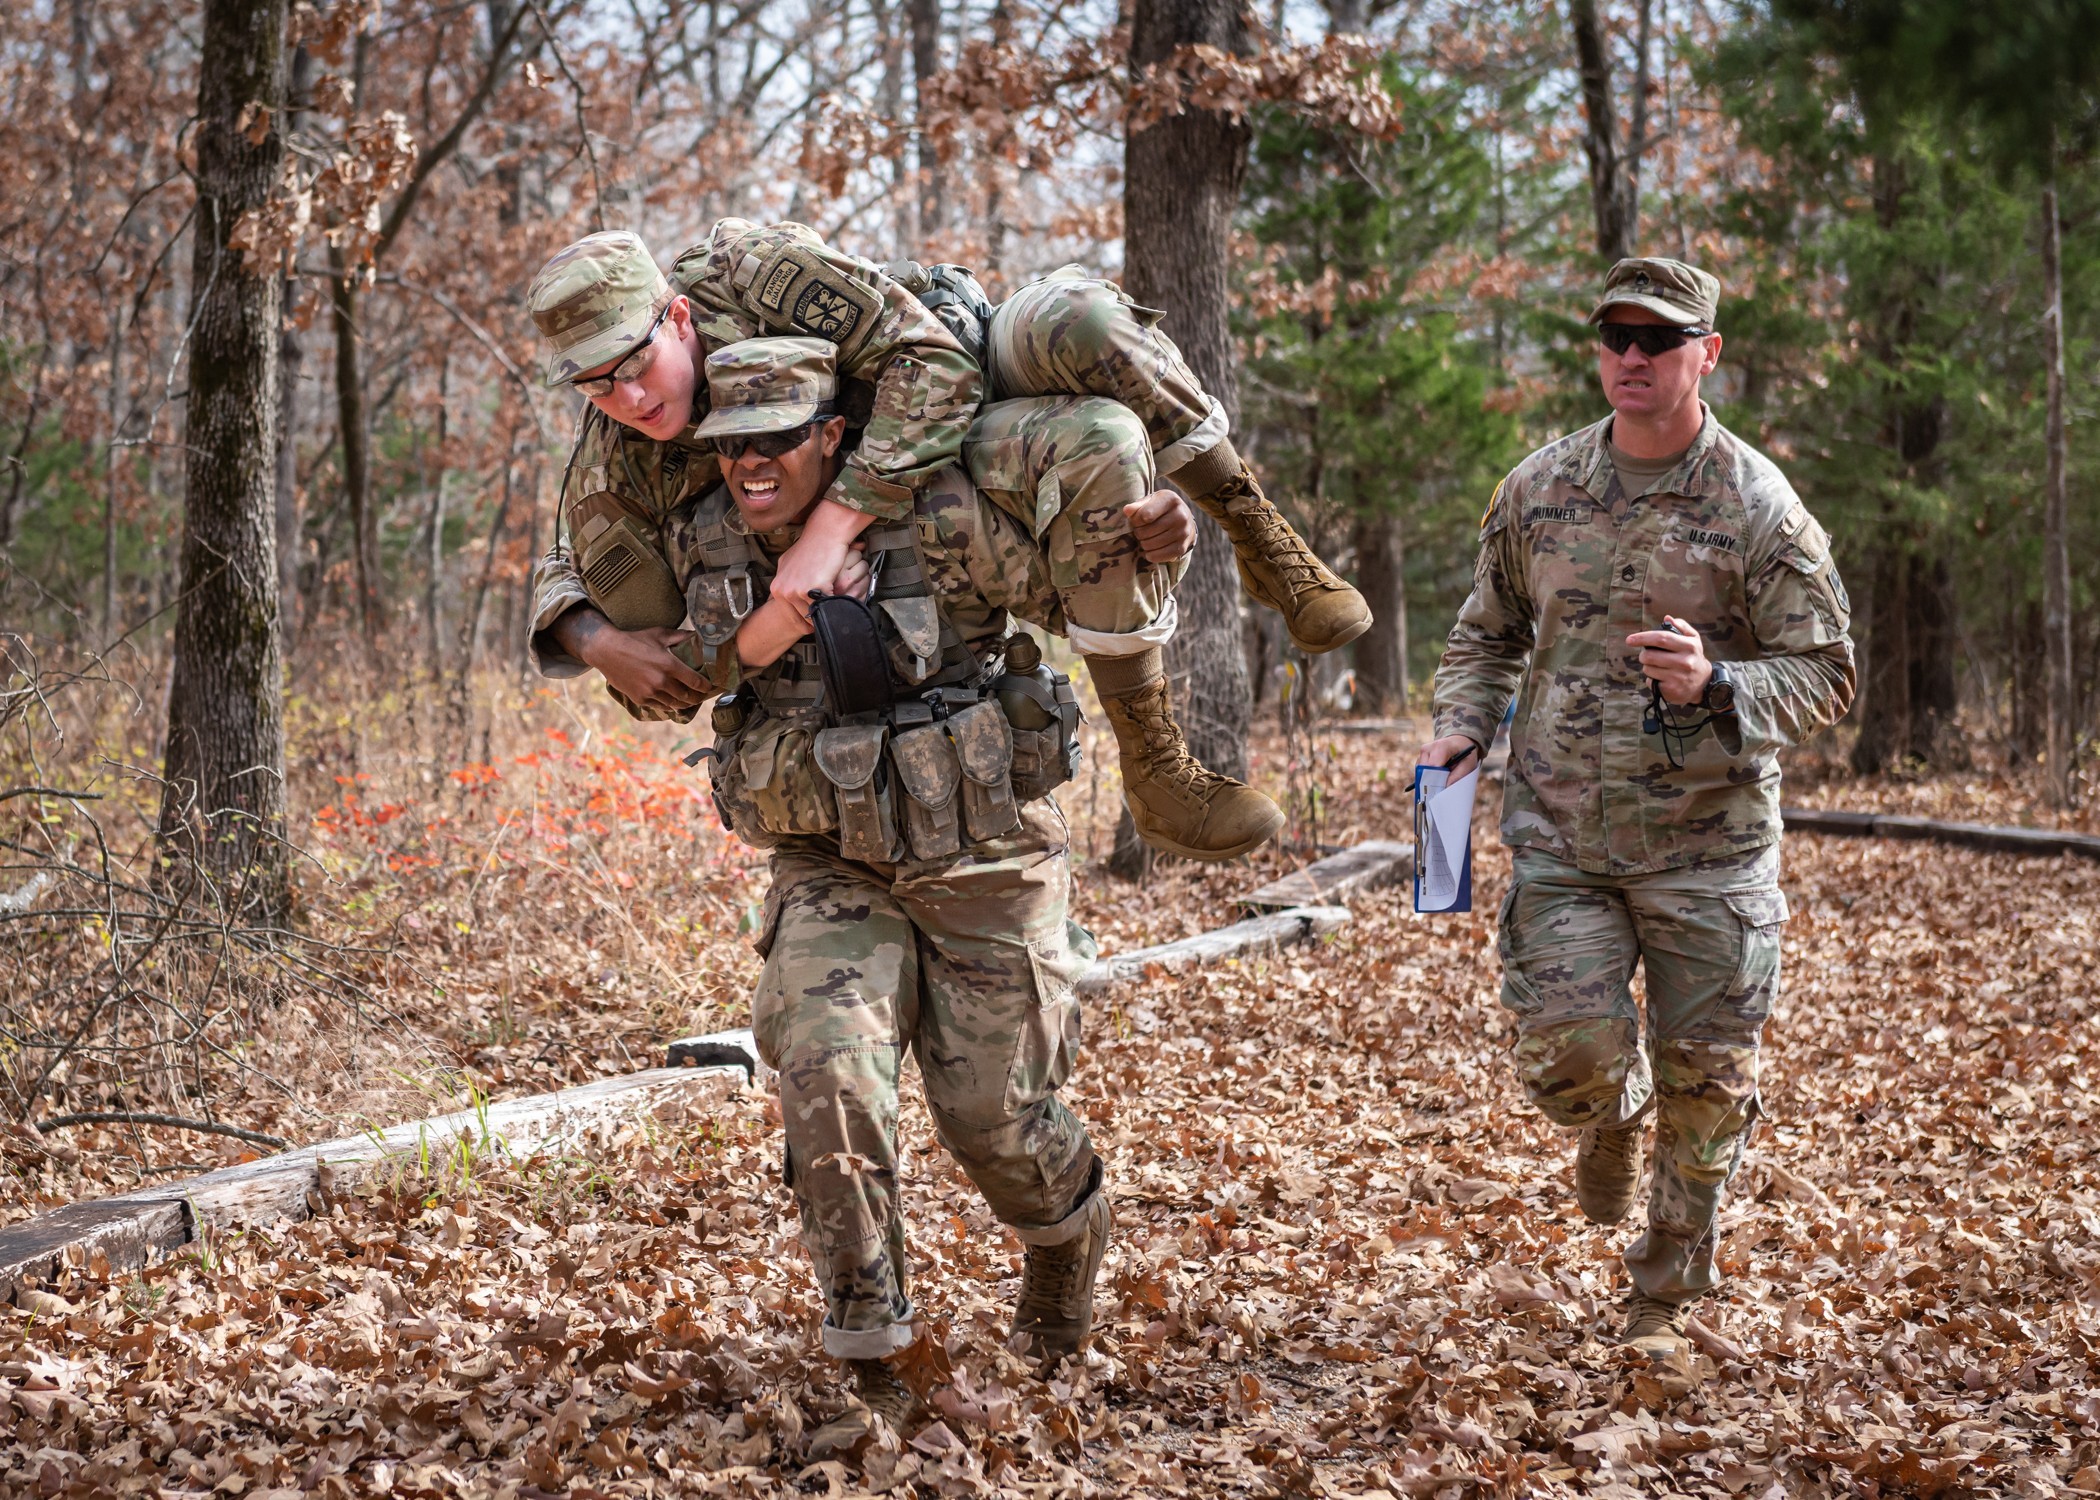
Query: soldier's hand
x,y
1164,526
810,566
1442,752
640,664
853,578
1675,658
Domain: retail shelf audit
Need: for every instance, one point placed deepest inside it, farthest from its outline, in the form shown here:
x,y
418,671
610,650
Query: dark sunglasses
x,y
764,444
633,365
1654,338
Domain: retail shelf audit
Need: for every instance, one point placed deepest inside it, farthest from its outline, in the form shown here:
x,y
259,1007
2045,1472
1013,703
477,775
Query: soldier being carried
x,y
634,344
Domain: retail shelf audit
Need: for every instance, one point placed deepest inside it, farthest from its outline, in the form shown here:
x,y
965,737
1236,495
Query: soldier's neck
x,y
1659,437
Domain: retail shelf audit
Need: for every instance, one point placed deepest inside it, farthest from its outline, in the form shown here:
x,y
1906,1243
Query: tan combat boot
x,y
882,1392
1176,803
1319,610
1055,1316
1655,1325
1607,1170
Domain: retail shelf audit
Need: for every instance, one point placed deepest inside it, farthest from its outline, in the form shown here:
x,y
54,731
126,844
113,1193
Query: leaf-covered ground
x,y
1348,1260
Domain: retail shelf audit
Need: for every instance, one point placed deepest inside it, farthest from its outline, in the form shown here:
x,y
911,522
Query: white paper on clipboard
x,y
1444,839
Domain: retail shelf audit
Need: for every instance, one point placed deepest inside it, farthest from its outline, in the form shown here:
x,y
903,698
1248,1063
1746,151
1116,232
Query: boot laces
x,y
1166,753
1050,1277
1281,545
1651,1315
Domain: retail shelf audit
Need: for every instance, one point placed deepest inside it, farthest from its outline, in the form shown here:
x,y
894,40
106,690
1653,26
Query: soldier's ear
x,y
680,317
834,433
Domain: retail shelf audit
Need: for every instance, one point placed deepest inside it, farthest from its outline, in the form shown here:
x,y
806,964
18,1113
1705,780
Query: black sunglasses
x,y
1654,338
764,444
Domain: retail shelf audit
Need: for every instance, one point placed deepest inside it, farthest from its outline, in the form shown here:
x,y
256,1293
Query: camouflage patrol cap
x,y
1668,288
769,385
594,301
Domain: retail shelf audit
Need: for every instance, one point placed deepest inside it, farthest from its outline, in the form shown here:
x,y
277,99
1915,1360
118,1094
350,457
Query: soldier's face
x,y
658,402
1654,387
775,492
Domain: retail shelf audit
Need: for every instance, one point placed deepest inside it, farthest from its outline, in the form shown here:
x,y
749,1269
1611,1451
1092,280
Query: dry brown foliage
x,y
1348,1261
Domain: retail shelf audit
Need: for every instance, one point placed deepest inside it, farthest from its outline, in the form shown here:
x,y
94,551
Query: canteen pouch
x,y
774,757
931,775
851,758
623,571
850,652
1044,758
984,744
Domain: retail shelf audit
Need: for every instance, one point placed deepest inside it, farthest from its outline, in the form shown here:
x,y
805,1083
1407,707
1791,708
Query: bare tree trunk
x,y
352,430
1381,652
1615,164
223,805
1181,184
925,62
291,349
114,468
2056,524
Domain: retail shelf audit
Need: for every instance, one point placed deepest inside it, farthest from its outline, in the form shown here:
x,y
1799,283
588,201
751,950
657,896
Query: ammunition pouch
x,y
850,757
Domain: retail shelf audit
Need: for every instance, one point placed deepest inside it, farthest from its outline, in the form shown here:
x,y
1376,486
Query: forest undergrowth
x,y
1348,1260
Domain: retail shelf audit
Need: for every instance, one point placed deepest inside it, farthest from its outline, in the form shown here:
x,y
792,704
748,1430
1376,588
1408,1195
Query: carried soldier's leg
x,y
1709,940
998,1034
1088,456
1073,334
835,1007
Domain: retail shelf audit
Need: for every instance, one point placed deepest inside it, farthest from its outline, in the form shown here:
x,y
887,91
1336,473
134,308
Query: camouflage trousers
x,y
1069,333
969,963
1063,468
1707,936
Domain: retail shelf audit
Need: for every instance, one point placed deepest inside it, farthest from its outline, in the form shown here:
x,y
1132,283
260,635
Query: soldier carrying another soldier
x,y
897,766
634,344
1668,615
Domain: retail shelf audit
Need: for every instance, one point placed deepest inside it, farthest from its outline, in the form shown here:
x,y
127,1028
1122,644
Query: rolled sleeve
x,y
557,588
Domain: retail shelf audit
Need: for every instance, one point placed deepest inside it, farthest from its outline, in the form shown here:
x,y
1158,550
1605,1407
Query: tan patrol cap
x,y
1670,289
594,301
769,385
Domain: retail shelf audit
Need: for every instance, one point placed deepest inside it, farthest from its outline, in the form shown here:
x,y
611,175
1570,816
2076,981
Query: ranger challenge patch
x,y
814,298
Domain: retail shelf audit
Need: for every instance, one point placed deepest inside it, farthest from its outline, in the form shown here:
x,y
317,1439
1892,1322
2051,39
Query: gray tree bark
x,y
291,350
2056,523
223,804
1381,652
1181,185
1615,159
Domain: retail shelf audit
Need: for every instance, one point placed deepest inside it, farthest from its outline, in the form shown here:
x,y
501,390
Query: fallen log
x,y
1361,867
1992,838
132,1228
1255,935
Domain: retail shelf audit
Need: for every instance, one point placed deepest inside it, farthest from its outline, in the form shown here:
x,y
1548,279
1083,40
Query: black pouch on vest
x,y
851,758
850,652
927,767
985,746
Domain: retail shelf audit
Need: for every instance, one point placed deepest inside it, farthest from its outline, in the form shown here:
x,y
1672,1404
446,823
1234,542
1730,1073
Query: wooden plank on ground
x,y
2044,842
718,1049
1361,867
1255,935
130,1229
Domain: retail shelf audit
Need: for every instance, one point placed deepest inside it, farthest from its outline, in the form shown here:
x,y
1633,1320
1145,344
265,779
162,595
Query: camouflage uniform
x,y
967,958
1620,858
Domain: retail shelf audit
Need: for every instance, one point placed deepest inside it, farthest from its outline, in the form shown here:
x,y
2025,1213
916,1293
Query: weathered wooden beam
x,y
1255,935
128,1230
718,1049
1361,867
1995,839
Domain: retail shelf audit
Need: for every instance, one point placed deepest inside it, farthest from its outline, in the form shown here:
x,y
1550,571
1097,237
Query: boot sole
x,y
1334,643
1246,846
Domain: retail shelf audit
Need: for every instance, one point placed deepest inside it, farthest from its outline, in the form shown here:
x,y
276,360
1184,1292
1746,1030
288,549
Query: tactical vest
x,y
944,763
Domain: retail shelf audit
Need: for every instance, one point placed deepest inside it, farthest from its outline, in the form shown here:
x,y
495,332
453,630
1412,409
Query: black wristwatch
x,y
1719,697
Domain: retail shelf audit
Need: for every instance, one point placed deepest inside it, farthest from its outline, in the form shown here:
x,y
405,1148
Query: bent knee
x,y
1574,1069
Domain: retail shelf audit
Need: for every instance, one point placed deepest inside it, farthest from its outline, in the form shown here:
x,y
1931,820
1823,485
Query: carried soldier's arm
x,y
1484,656
1805,674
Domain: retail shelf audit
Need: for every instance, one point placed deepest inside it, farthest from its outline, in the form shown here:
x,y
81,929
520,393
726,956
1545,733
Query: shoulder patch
x,y
799,290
